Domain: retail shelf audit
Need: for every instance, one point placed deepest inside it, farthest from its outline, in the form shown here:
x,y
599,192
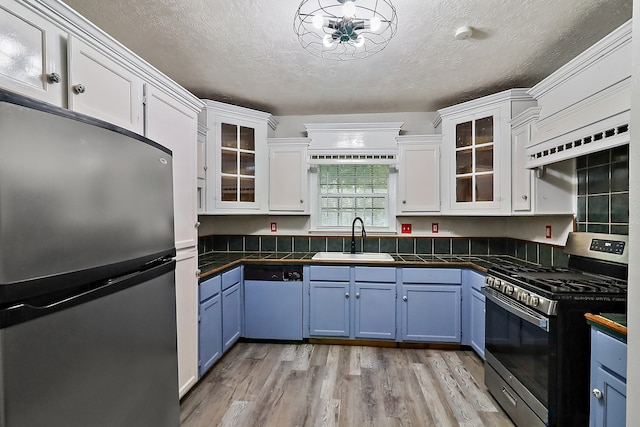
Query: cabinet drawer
x,y
609,352
337,274
230,278
209,288
375,274
432,275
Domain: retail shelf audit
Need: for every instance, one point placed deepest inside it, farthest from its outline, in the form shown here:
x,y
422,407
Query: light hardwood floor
x,y
286,385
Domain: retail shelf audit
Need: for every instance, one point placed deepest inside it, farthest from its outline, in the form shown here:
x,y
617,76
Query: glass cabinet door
x,y
238,163
474,160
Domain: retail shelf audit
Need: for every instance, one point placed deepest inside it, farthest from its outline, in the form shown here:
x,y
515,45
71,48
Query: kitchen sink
x,y
346,256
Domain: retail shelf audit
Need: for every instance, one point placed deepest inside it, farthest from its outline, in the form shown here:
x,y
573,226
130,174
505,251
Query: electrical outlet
x,y
435,227
548,232
406,228
274,227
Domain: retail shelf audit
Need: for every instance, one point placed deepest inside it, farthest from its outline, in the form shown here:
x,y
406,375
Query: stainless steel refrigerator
x,y
87,282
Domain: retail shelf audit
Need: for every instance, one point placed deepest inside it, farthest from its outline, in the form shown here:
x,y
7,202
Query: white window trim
x,y
346,230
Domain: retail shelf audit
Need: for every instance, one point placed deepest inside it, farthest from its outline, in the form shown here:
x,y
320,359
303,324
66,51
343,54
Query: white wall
x,y
414,123
633,310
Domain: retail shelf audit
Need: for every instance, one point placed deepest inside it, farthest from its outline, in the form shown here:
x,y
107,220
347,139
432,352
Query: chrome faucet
x,y
353,234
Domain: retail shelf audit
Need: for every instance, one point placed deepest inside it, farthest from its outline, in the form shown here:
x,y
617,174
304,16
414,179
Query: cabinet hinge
x,y
199,318
144,99
199,363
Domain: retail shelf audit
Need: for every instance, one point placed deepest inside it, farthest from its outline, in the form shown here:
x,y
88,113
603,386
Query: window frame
x,y
315,209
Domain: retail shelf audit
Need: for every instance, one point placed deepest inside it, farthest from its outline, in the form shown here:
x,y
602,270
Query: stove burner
x,y
560,280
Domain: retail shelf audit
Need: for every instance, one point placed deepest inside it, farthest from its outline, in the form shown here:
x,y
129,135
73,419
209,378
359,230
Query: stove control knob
x,y
524,297
534,301
509,289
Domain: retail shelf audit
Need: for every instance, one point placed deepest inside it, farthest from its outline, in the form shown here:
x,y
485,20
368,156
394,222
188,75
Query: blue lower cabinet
x,y
608,380
329,309
375,310
477,321
209,324
431,313
231,316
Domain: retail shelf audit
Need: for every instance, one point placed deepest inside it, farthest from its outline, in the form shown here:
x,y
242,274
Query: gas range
x,y
536,337
543,288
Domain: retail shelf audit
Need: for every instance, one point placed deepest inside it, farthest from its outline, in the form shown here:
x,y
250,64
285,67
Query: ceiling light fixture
x,y
345,29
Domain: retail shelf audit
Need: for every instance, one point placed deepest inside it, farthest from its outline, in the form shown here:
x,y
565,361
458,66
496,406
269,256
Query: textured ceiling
x,y
245,52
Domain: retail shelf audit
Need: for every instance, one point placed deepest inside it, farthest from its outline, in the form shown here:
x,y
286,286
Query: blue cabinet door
x,y
609,406
608,380
209,333
231,316
375,310
329,309
431,313
477,322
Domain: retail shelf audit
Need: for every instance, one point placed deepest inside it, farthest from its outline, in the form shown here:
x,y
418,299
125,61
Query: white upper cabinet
x,y
202,167
103,88
476,153
545,190
32,55
174,125
237,162
288,183
419,174
39,59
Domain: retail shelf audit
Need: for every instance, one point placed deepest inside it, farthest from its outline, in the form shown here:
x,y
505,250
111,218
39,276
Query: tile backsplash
x,y
603,191
545,254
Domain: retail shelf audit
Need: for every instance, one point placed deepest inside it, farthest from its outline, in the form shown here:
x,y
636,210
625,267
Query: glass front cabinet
x,y
476,172
237,170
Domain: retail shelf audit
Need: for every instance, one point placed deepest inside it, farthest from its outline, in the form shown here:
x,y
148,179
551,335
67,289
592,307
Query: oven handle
x,y
517,309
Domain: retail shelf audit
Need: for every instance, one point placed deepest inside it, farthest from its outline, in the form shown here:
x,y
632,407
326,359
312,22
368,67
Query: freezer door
x,y
77,195
108,361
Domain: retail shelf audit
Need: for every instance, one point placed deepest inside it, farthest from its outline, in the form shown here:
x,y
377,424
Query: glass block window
x,y
349,190
603,191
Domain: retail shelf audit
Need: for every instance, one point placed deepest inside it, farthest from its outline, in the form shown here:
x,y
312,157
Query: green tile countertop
x,y
614,324
211,263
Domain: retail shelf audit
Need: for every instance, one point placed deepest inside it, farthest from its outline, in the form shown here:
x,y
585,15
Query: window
x,y
346,191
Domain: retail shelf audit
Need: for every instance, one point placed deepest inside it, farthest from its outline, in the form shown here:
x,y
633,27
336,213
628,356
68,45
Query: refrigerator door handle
x,y
25,311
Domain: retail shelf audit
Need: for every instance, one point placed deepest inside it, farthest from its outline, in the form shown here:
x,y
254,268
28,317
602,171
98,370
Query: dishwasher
x,y
273,302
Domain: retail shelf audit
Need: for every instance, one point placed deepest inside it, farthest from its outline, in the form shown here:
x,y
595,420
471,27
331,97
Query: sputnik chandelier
x,y
345,29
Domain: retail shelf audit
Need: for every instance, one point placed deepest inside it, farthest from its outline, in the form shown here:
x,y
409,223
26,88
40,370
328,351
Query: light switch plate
x,y
274,227
548,232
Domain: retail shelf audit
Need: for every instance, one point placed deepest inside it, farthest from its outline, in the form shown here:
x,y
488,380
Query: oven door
x,y
518,349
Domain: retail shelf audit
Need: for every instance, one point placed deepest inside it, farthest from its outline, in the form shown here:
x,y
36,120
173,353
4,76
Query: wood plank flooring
x,y
283,385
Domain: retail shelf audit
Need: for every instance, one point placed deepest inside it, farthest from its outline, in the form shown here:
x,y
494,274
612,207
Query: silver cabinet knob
x,y
524,197
54,78
597,393
346,295
404,298
357,294
198,272
404,202
301,201
79,88
197,224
